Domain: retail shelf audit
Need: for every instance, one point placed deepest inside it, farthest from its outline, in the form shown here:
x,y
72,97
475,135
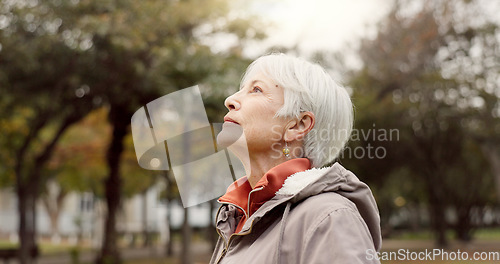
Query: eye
x,y
256,89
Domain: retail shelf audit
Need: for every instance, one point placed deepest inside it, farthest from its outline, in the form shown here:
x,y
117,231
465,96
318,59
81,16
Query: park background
x,y
73,72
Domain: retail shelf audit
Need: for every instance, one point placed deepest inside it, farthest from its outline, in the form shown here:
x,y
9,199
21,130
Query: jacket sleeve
x,y
339,236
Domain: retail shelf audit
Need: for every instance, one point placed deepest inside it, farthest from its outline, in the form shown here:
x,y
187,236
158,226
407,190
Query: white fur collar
x,y
298,181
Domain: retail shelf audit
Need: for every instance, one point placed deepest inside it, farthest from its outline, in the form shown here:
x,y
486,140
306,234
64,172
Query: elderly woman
x,y
292,207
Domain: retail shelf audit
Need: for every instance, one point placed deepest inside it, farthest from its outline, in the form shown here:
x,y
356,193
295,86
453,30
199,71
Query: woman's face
x,y
253,108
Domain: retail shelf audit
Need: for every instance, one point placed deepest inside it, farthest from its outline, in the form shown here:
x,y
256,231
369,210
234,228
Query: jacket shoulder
x,y
310,212
327,228
324,203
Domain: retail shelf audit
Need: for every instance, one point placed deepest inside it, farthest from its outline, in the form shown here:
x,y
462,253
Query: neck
x,y
259,165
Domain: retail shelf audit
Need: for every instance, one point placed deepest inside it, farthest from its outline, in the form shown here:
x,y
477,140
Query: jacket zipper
x,y
226,248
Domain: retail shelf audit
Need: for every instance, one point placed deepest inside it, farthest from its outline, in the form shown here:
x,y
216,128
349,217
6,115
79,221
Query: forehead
x,y
258,77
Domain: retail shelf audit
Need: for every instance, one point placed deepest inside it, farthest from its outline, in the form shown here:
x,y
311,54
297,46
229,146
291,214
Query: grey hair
x,y
308,87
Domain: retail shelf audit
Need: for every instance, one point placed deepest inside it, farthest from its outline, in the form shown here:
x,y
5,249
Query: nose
x,y
232,102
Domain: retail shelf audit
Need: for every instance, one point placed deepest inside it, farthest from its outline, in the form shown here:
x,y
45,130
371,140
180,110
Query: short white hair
x,y
308,87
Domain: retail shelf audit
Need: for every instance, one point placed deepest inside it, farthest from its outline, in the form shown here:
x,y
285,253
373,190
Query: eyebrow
x,y
254,82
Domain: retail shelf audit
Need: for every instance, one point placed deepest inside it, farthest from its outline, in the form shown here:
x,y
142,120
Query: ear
x,y
298,128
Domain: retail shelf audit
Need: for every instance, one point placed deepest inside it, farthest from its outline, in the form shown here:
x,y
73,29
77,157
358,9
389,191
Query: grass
x,y
480,234
488,234
46,248
7,244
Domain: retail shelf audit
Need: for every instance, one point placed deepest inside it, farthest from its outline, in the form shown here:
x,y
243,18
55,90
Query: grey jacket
x,y
319,216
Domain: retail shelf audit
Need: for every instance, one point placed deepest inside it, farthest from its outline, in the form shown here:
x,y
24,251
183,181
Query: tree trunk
x,y
169,249
26,228
26,194
145,231
463,228
437,213
414,211
28,187
186,228
186,239
492,154
109,252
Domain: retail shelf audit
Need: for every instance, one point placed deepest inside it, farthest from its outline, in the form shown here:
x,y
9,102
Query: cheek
x,y
261,109
265,111
261,122
265,129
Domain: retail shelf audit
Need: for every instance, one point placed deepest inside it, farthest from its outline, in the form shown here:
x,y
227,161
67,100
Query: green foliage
x,y
78,162
39,75
429,73
71,53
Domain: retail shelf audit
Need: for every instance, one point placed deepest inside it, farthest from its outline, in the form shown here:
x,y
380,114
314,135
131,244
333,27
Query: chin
x,y
229,135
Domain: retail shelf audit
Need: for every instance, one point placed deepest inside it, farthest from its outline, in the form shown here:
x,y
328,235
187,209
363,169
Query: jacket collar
x,y
241,195
336,178
298,181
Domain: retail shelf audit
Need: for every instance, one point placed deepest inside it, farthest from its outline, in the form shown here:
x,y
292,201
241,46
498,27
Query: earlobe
x,y
290,131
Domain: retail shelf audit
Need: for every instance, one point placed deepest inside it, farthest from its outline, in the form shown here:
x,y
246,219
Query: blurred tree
x,y
169,195
42,95
77,163
137,181
70,56
140,51
417,78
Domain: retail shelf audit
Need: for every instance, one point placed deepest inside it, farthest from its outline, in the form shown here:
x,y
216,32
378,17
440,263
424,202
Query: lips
x,y
230,120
